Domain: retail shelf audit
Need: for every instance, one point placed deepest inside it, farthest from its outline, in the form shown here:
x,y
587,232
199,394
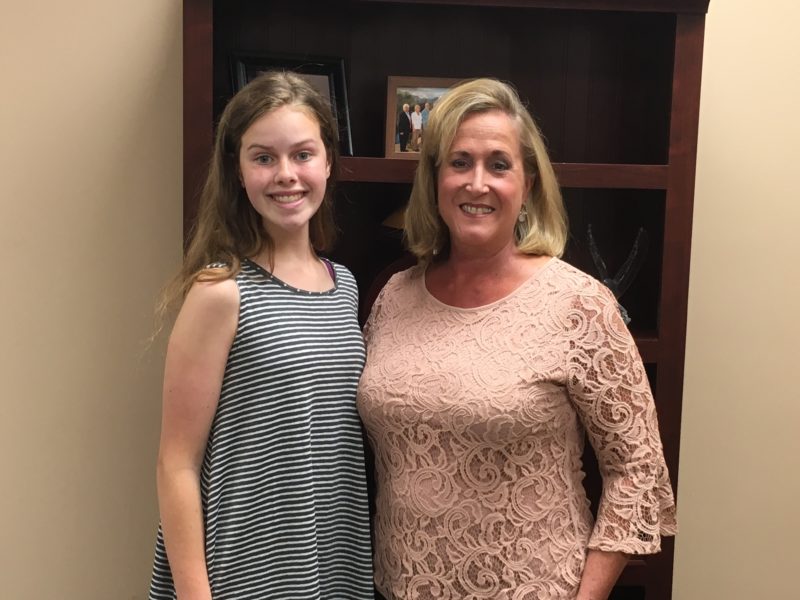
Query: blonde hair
x,y
228,228
544,230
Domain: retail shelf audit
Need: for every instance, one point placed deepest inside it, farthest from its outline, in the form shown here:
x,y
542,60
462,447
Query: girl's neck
x,y
292,247
296,264
296,252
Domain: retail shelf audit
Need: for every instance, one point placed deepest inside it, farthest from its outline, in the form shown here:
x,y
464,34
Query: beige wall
x,y
90,195
90,225
738,488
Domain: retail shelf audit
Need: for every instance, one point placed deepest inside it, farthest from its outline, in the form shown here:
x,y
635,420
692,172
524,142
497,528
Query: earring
x,y
523,215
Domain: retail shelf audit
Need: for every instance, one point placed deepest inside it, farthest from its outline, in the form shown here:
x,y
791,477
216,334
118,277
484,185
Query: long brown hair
x,y
228,228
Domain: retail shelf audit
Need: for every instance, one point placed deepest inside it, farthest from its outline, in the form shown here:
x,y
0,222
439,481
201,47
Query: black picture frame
x,y
325,73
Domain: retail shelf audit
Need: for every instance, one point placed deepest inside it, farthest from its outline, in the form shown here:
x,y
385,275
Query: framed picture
x,y
408,102
325,74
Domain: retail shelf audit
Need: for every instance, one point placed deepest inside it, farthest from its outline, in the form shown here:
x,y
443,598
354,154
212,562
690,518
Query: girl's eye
x,y
304,155
263,159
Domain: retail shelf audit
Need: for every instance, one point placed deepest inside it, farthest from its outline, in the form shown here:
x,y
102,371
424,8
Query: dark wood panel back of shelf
x,y
574,69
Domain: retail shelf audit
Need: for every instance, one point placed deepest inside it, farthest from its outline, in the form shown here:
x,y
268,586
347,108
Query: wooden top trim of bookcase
x,y
662,6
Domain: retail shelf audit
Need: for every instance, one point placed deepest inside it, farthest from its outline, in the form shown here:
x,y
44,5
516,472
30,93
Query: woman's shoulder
x,y
574,287
386,282
396,295
401,283
405,280
570,278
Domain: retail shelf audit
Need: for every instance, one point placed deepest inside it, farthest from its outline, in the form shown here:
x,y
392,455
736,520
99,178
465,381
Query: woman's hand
x,y
600,573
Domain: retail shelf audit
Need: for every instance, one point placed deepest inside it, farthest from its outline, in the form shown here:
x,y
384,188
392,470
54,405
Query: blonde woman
x,y
486,363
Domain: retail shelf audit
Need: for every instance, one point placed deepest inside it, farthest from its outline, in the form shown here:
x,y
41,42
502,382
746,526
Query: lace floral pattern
x,y
477,420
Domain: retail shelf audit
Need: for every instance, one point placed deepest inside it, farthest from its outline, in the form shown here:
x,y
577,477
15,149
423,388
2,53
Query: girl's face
x,y
284,168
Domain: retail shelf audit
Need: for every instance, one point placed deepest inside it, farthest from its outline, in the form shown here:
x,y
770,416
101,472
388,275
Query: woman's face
x,y
482,184
284,169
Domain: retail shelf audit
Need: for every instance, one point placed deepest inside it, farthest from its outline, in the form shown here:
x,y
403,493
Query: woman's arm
x,y
609,389
600,573
196,356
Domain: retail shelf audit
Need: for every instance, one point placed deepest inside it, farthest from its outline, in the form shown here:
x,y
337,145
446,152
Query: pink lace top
x,y
477,419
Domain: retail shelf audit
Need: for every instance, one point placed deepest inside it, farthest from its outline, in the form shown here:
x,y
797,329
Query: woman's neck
x,y
465,264
469,281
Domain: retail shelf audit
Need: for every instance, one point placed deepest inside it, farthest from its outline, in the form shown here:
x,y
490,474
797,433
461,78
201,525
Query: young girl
x,y
261,478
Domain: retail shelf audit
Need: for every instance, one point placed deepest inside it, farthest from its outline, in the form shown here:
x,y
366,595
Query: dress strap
x,y
329,266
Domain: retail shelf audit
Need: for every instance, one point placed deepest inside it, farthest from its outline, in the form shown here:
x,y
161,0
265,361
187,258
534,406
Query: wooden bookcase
x,y
614,85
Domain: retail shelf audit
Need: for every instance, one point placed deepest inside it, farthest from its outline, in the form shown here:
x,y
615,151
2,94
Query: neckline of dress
x,y
533,277
291,288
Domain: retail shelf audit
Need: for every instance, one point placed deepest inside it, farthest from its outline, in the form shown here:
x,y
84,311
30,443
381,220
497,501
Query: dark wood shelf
x,y
635,573
571,175
649,347
593,175
376,170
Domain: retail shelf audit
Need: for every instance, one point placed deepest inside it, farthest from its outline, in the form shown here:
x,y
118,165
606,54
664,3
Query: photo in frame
x,y
325,74
406,128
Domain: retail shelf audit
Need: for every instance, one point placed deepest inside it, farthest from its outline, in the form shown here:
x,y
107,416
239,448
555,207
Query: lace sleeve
x,y
608,386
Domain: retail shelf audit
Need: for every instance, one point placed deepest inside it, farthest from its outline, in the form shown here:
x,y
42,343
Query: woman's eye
x,y
263,159
304,155
500,165
458,163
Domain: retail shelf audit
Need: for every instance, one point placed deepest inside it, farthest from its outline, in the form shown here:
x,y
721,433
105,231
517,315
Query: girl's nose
x,y
285,173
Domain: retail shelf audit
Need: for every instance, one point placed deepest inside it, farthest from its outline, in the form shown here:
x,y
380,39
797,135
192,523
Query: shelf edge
x,y
570,175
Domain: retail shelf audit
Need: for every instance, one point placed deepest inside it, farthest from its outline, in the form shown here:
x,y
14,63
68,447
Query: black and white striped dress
x,y
283,481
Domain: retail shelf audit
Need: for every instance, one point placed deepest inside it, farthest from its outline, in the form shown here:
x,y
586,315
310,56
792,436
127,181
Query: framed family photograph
x,y
409,100
325,74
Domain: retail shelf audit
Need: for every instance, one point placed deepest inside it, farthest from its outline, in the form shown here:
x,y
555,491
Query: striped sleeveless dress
x,y
283,483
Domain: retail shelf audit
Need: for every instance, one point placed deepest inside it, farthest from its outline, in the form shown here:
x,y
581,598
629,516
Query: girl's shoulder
x,y
340,270
209,305
214,294
344,279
